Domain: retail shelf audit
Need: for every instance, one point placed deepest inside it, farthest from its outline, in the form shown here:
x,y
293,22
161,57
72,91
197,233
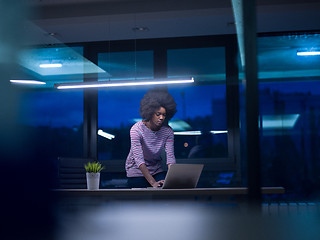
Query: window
x,y
201,123
118,108
289,112
201,108
56,118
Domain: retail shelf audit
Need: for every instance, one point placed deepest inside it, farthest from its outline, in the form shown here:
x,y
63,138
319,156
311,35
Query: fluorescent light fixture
x,y
27,82
179,125
308,53
50,65
135,120
197,133
106,135
188,133
219,132
104,84
279,121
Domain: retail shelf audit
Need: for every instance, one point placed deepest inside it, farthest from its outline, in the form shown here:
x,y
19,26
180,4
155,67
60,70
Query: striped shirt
x,y
146,147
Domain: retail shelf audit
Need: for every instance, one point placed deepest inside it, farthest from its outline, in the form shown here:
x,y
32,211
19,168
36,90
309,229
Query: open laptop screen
x,y
182,176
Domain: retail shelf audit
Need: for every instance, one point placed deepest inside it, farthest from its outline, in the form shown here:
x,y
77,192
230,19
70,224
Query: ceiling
x,y
70,21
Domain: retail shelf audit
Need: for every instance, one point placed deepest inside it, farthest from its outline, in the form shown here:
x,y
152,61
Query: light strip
x,y
106,135
188,133
279,121
27,82
102,84
219,132
51,65
197,133
310,53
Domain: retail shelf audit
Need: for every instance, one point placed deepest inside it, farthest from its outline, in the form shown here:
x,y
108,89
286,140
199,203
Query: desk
x,y
110,193
94,197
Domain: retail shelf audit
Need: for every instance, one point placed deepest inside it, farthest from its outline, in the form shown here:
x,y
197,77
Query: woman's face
x,y
158,117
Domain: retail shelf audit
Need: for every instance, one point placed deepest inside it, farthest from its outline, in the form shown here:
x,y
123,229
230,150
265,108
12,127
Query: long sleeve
x,y
169,148
146,147
136,147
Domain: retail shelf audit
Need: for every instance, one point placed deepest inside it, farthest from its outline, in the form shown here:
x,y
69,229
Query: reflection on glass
x,y
201,109
126,65
56,119
289,100
289,114
204,64
278,58
56,65
289,137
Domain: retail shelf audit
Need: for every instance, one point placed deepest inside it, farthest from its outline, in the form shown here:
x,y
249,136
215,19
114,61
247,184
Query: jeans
x,y
141,182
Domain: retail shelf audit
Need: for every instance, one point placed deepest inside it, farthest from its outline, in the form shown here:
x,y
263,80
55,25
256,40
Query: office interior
x,y
254,126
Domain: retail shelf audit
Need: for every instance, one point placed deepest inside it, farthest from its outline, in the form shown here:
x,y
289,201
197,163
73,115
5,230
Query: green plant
x,y
93,167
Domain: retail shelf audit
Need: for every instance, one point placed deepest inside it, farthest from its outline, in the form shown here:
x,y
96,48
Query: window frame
x,y
159,48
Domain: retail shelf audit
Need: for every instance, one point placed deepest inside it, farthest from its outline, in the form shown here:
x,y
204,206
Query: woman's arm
x,y
143,168
169,148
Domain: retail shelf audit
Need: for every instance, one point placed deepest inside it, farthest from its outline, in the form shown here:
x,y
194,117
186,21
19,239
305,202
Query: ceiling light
x,y
308,53
197,133
28,82
104,84
106,135
188,133
179,125
219,132
50,65
287,121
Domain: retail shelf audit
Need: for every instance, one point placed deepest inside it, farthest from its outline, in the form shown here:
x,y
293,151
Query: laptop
x,y
182,176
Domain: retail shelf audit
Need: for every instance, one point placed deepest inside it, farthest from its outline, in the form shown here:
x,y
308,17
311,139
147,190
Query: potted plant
x,y
93,170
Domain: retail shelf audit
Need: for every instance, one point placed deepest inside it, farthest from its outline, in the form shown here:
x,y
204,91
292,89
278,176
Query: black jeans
x,y
141,182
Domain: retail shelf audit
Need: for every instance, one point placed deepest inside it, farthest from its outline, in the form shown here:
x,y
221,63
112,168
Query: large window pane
x,y
278,56
118,109
289,114
57,119
55,116
201,108
126,65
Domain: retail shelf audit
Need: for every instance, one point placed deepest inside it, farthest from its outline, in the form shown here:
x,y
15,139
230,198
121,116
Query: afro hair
x,y
153,100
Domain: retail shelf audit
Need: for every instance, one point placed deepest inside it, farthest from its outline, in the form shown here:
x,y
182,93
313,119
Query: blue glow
x,y
105,135
179,125
188,133
279,121
28,82
308,53
50,65
219,132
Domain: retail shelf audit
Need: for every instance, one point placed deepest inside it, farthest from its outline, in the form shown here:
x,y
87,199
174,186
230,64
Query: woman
x,y
149,138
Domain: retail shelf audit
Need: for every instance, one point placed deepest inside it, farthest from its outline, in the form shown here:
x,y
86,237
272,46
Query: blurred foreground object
x,y
181,220
25,200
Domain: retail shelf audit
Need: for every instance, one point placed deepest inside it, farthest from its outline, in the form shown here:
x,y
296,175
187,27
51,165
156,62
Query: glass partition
x,y
57,119
54,116
289,99
118,108
201,120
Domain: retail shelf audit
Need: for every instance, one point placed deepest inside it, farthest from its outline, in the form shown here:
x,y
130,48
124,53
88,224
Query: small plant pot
x,y
93,181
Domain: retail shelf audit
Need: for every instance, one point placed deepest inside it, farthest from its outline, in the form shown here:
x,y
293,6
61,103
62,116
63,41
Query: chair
x,y
71,173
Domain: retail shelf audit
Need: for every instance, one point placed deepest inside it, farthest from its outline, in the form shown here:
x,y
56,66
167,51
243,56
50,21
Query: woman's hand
x,y
158,184
148,176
